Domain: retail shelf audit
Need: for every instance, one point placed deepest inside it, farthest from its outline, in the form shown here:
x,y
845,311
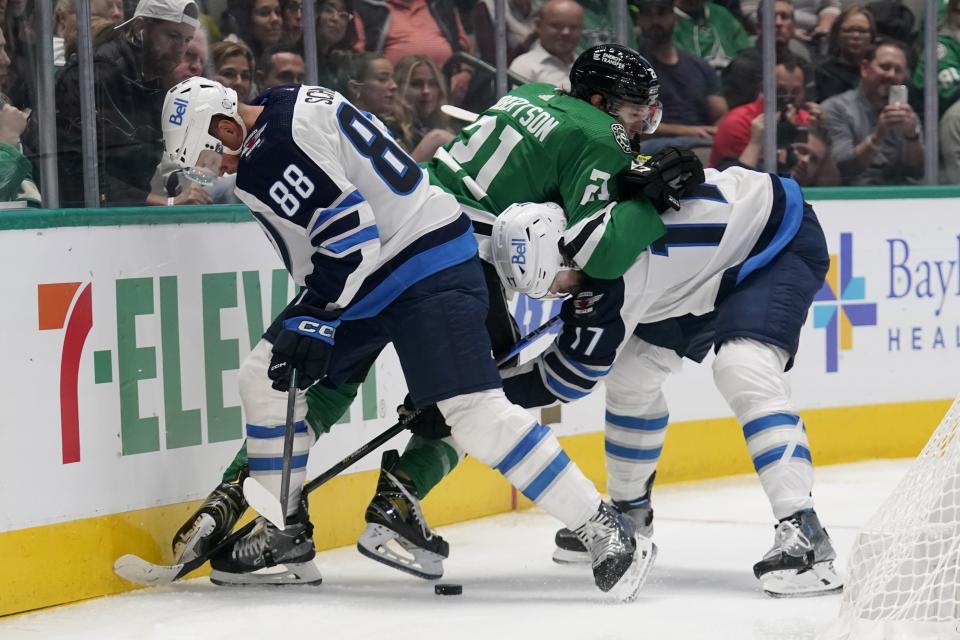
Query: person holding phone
x,y
16,172
874,131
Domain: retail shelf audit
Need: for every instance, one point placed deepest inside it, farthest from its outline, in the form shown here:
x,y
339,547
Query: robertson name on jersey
x,y
537,144
352,216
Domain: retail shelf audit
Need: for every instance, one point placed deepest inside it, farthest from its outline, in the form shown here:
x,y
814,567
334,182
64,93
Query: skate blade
x,y
188,549
566,556
628,587
282,575
375,543
820,580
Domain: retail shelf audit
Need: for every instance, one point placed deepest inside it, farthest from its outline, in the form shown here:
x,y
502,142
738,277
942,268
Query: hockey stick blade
x,y
263,502
459,114
135,569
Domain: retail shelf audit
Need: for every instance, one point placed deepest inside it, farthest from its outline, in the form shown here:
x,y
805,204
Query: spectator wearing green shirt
x,y
600,25
16,173
948,87
709,31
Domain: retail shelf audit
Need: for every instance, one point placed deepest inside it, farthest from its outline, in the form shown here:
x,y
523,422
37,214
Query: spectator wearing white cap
x,y
131,63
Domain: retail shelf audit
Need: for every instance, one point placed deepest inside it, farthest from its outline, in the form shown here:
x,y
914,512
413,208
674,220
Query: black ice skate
x,y
801,560
621,561
253,558
397,533
640,510
212,522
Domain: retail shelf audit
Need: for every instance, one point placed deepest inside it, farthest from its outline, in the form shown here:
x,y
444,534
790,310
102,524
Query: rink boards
x,y
124,329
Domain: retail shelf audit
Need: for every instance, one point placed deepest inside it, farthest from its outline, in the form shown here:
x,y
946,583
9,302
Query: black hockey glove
x,y
429,424
663,178
304,344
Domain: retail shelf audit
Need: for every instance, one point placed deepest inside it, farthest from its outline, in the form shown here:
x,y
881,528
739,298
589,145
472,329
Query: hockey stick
x,y
256,493
265,503
135,569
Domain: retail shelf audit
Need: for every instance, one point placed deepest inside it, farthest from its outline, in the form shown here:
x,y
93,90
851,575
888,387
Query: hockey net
x,y
904,570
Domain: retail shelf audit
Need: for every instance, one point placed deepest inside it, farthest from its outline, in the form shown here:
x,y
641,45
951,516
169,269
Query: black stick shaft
x,y
288,435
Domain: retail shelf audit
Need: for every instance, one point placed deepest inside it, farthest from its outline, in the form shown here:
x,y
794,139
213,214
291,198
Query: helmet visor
x,y
637,118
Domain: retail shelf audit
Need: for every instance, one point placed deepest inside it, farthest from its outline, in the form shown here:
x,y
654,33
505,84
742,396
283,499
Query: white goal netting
x,y
904,569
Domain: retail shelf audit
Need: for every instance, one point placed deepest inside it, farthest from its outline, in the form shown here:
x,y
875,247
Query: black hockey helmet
x,y
617,72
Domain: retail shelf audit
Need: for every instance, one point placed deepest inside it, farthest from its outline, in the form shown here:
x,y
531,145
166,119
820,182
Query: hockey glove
x,y
664,177
429,424
304,344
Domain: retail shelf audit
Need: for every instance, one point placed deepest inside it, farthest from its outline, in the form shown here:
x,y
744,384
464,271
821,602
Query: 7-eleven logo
x,y
68,304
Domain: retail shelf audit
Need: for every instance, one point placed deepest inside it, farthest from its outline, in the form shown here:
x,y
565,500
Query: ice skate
x,y
212,522
801,560
255,558
640,510
621,560
397,533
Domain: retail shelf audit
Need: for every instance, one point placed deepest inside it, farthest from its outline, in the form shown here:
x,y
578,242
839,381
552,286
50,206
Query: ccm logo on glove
x,y
308,327
312,328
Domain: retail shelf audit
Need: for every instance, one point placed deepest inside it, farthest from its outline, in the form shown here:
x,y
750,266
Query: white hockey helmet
x,y
525,246
188,109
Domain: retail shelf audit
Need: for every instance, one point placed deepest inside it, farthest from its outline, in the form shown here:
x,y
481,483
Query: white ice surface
x,y
709,535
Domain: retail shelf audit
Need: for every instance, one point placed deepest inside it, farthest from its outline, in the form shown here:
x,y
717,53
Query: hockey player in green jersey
x,y
537,144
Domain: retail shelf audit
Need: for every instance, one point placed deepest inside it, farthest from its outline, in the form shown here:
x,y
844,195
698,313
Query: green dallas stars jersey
x,y
538,145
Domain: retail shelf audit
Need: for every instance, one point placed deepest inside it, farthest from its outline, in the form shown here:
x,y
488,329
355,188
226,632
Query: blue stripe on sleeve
x,y
349,202
363,235
542,482
630,453
276,464
640,424
754,427
527,443
560,389
256,431
590,373
792,217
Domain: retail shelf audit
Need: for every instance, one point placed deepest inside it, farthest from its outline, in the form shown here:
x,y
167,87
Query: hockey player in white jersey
x,y
381,256
738,269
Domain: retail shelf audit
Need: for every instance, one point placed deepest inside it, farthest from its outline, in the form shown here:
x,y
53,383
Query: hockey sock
x,y
632,445
635,423
750,376
325,407
265,409
427,461
527,453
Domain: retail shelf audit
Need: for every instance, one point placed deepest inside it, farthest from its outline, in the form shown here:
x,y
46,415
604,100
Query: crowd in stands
x,y
841,117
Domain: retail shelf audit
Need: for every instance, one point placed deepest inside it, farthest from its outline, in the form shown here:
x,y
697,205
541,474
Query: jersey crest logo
x,y
585,303
254,140
620,135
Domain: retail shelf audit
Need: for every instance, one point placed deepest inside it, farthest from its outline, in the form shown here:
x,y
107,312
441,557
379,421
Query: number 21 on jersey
x,y
482,129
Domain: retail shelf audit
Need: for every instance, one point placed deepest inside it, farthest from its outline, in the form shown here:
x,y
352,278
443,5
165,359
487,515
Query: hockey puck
x,y
448,589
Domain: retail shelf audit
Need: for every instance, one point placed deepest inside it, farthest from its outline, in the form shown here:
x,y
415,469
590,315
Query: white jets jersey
x,y
727,228
353,217
731,225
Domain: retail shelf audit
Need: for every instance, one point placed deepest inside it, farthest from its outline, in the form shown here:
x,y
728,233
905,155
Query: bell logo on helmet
x,y
519,251
181,110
